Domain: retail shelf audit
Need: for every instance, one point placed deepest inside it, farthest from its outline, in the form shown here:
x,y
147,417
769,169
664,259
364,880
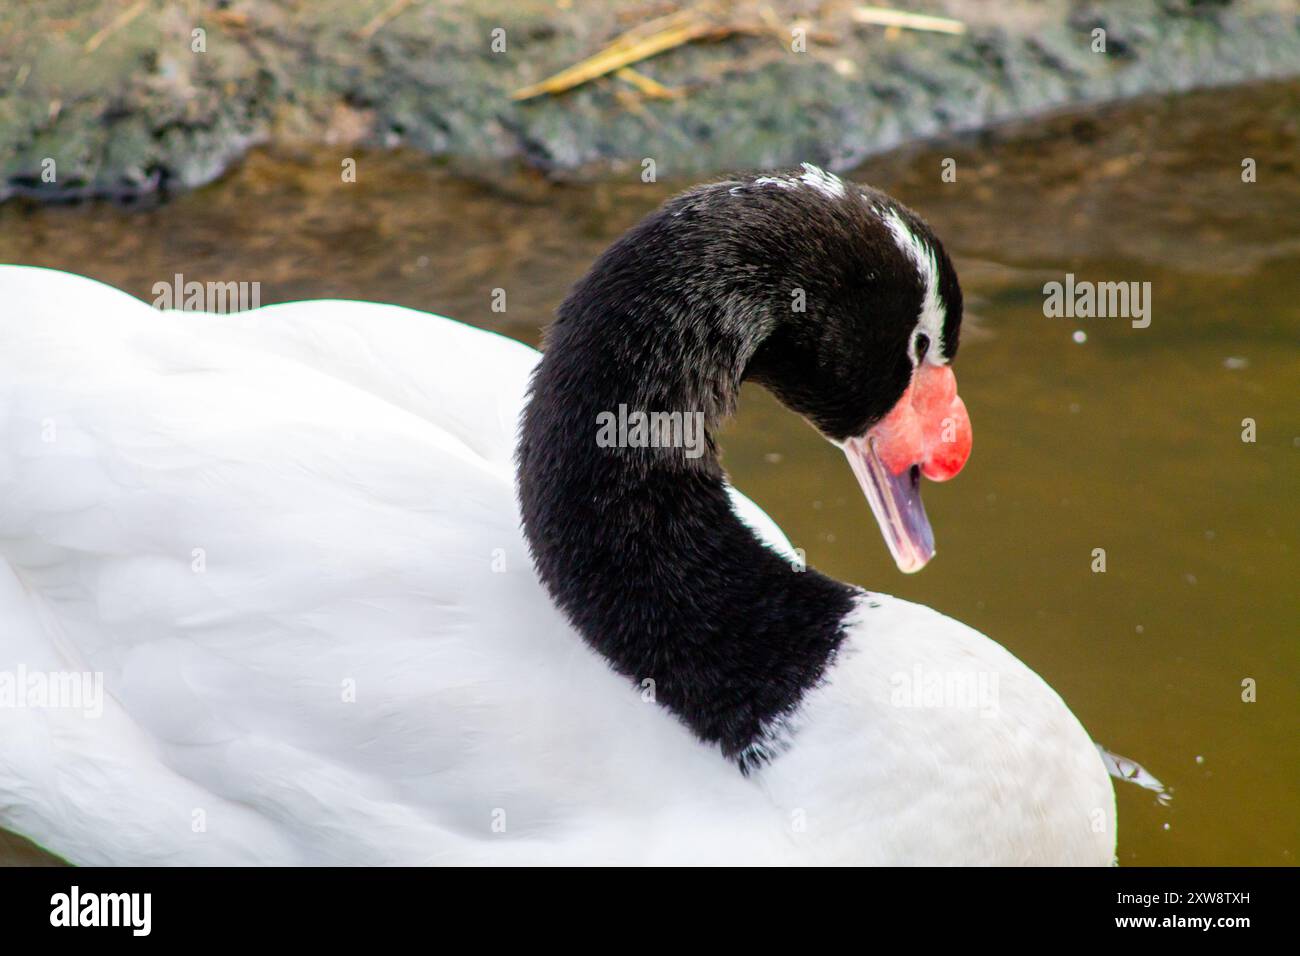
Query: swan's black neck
x,y
640,546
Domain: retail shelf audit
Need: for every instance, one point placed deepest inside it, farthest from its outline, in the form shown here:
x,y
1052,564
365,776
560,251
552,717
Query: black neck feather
x,y
640,546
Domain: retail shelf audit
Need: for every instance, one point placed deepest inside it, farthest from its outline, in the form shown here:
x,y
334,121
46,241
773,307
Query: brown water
x,y
1129,441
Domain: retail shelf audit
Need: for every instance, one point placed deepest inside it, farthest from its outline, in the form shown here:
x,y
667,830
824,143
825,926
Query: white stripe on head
x,y
828,184
930,321
814,177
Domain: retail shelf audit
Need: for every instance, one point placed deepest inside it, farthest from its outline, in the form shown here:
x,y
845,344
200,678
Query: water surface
x,y
1129,440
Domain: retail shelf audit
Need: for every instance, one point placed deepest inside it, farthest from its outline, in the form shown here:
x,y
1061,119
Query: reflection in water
x,y
1091,434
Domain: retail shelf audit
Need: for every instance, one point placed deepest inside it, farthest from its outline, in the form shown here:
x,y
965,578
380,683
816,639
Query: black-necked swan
x,y
365,585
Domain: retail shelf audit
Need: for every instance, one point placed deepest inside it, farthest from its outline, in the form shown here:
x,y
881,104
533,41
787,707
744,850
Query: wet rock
x,y
99,103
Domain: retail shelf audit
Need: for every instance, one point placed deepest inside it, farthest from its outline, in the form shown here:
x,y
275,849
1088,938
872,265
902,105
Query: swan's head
x,y
838,299
862,310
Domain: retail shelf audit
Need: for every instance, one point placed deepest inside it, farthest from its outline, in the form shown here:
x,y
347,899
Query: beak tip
x,y
914,563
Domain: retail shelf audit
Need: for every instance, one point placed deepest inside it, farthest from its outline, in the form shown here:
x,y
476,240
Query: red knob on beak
x,y
927,432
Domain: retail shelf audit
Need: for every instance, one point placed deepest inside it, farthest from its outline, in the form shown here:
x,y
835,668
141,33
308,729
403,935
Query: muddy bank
x,y
125,99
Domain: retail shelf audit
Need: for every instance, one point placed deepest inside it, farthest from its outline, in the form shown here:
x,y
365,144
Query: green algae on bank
x,y
125,108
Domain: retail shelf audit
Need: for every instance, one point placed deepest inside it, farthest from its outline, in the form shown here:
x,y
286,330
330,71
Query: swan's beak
x,y
896,502
927,433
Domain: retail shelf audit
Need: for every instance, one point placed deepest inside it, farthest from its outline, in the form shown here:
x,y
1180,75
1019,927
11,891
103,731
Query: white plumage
x,y
288,540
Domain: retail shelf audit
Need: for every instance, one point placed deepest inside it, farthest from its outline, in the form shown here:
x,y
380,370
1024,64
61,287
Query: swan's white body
x,y
289,542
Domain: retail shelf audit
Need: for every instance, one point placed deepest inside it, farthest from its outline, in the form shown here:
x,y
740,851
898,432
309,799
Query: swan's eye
x,y
922,346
